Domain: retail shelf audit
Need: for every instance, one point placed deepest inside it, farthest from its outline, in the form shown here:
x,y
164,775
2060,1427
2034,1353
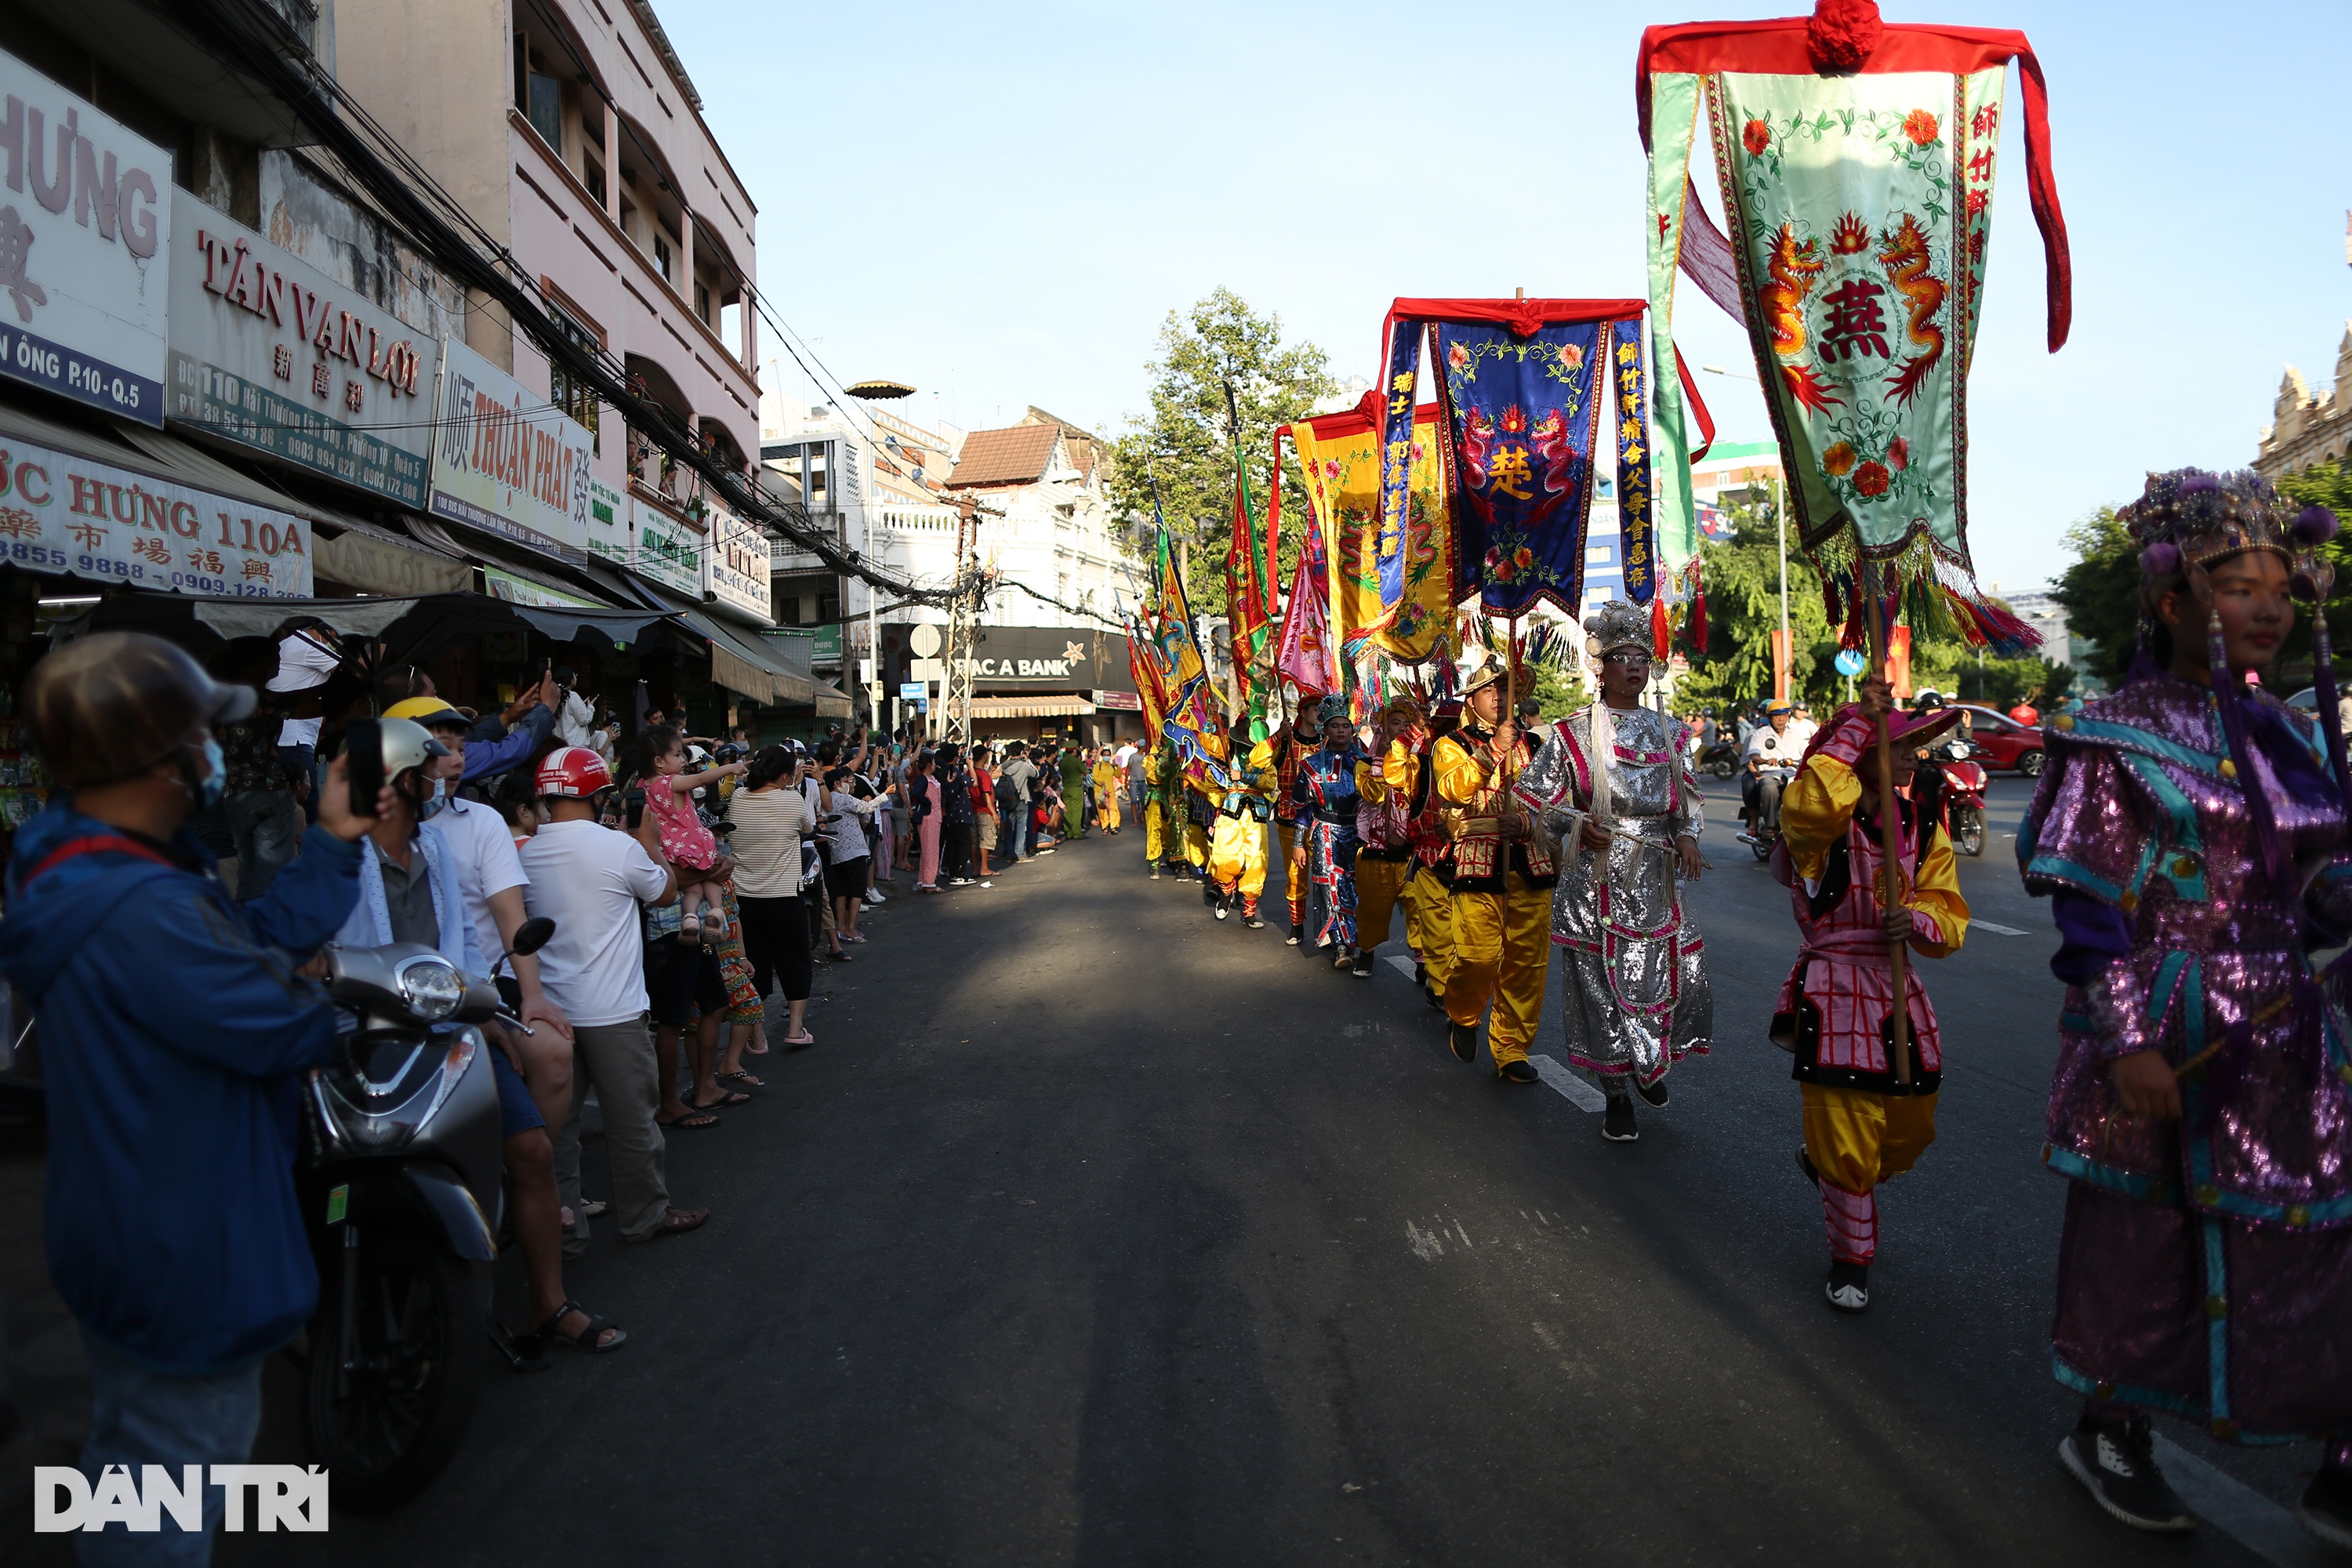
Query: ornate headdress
x,y
1332,709
1616,624
2189,520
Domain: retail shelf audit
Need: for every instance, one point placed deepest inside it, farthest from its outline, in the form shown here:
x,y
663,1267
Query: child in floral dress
x,y
692,848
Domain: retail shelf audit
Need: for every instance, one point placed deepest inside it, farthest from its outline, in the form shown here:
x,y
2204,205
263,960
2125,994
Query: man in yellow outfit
x,y
1106,778
1866,1117
1503,877
1384,858
1237,842
1429,890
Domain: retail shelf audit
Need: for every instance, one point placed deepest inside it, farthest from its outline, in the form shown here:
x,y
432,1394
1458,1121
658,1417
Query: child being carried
x,y
692,848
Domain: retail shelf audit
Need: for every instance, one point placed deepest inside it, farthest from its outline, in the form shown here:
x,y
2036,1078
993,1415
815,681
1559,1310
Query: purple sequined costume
x,y
2206,1269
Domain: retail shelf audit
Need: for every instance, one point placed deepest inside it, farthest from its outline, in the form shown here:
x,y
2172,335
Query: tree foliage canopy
x,y
1185,438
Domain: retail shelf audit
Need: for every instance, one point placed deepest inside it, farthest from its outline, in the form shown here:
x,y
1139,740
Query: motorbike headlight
x,y
430,987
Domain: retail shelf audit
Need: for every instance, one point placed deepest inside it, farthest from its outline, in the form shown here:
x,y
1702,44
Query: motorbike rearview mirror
x,y
532,935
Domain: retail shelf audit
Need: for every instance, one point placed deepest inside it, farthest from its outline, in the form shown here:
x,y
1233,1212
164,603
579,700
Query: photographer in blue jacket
x,y
172,1023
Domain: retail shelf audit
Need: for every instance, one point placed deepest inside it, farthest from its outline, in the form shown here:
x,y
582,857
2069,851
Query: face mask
x,y
209,789
430,807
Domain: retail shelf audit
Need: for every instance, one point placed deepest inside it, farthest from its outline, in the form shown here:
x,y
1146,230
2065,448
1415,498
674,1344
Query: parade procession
x,y
1644,866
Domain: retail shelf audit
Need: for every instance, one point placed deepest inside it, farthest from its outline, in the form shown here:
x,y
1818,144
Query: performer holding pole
x,y
1863,896
1503,877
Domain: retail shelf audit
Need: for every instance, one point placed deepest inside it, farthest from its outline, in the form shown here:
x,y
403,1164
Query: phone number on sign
x,y
42,557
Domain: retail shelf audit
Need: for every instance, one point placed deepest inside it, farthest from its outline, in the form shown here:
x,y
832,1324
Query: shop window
x,y
702,302
575,396
661,253
591,174
828,608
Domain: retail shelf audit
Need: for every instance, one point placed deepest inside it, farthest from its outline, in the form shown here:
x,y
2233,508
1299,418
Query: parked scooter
x,y
400,1183
1719,761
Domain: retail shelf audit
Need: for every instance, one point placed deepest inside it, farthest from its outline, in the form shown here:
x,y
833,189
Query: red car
x,y
2001,742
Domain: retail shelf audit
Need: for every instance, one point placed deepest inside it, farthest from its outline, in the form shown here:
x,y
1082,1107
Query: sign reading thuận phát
x,y
1856,168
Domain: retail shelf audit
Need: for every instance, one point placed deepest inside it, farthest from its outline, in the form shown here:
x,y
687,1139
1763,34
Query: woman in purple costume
x,y
2192,835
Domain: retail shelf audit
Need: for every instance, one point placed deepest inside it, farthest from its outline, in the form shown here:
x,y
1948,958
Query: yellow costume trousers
x,y
1429,924
1502,952
1107,810
1196,845
1858,1139
1237,856
1155,832
1380,884
1294,877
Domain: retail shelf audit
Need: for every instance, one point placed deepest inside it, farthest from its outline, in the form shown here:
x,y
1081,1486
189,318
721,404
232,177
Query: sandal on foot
x,y
692,1121
594,1208
727,1097
744,1079
674,1222
589,1341
799,1042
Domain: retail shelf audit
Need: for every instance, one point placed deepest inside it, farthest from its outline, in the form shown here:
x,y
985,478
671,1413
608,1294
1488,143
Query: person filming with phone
x,y
173,1021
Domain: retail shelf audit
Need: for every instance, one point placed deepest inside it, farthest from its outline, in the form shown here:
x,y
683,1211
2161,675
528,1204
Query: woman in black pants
x,y
771,818
962,829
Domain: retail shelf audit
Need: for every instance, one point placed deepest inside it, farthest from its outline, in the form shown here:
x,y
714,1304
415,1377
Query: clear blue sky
x,y
1000,202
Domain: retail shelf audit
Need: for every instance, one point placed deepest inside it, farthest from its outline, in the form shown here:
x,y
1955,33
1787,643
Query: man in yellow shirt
x,y
1503,877
1237,841
1868,1116
1106,787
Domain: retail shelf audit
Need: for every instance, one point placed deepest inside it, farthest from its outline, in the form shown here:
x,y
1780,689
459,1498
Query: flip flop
x,y
728,1098
800,1042
744,1079
692,1121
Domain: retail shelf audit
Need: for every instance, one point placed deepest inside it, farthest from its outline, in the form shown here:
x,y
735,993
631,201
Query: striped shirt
x,y
766,842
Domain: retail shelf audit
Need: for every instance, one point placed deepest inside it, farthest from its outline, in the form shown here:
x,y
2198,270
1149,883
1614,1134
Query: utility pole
x,y
955,692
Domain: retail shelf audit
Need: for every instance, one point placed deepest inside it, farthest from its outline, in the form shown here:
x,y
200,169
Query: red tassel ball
x,y
1842,35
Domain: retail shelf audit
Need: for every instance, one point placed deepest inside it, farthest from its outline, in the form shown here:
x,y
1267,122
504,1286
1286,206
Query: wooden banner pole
x,y
1890,834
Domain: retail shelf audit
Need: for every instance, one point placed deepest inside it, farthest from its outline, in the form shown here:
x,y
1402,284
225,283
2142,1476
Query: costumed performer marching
x,y
1384,858
1637,997
1296,739
1429,890
1865,1120
2193,845
1237,842
1159,806
1503,877
1326,794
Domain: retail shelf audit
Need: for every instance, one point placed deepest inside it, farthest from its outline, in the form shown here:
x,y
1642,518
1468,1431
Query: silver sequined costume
x,y
1637,997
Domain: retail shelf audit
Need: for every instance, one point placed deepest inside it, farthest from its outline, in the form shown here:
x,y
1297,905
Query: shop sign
x,y
506,460
1125,701
612,532
85,223
65,514
668,552
1047,659
517,590
271,352
735,567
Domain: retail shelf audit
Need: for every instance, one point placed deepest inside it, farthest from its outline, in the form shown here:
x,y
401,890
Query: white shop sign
x,y
506,460
85,254
66,514
735,567
668,552
267,351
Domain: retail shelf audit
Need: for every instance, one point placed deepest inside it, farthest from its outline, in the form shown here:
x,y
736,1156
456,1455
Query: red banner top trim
x,y
1359,420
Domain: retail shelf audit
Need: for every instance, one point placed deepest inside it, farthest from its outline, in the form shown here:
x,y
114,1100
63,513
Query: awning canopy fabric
x,y
742,662
413,627
1030,707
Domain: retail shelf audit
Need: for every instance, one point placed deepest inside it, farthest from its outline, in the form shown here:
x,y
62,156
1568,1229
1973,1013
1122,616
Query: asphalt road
x,y
1095,1232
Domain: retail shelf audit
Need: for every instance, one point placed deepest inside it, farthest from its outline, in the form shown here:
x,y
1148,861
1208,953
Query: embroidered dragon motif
x,y
1903,254
1793,267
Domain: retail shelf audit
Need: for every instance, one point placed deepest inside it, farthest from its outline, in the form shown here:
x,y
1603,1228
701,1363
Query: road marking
x,y
1997,928
2262,1526
1566,1084
1404,964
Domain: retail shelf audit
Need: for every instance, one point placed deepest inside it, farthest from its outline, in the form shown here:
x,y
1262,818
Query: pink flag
x,y
1302,654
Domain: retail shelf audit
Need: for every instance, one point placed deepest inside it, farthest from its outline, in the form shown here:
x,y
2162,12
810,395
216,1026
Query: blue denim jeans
x,y
140,1417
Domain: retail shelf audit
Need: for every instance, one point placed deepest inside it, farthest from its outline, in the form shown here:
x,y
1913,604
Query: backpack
x,y
1008,797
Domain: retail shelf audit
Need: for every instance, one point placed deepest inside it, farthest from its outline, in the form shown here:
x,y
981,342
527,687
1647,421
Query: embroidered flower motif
x,y
1330,468
1921,127
1898,454
1837,461
1571,355
1871,478
1524,558
1755,136
1457,357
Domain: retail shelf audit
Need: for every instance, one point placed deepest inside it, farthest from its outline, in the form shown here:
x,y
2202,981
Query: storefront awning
x,y
1030,707
742,663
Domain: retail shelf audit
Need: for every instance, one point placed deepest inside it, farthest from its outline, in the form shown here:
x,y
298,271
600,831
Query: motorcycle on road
x,y
399,1179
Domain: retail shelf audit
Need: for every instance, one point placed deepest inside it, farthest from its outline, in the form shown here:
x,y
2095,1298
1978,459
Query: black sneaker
x,y
1617,1120
1436,999
1521,1071
1849,1286
1421,974
1463,1038
1155,873
1222,906
1363,970
2115,1459
1251,921
1297,934
2326,1510
1208,891
1653,1095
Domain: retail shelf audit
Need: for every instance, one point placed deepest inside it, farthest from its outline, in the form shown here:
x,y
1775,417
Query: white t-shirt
x,y
590,879
482,853
1777,750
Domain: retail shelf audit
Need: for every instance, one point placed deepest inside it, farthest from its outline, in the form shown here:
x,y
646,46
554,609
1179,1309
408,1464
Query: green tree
x,y
2101,592
1561,691
1185,438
